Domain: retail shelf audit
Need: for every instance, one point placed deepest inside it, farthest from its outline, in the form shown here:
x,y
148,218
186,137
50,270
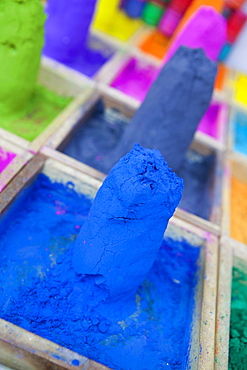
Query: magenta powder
x,y
5,158
210,121
135,78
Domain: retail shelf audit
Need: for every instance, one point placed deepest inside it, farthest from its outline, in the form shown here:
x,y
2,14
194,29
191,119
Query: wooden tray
x,y
20,349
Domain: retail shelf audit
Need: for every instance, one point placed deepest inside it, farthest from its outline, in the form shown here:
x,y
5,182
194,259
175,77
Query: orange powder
x,y
239,210
155,44
221,77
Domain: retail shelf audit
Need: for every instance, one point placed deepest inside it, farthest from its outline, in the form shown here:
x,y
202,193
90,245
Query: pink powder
x,y
135,78
210,121
5,158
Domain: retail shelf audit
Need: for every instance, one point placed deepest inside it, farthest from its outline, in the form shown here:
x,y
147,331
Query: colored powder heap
x,y
197,173
122,218
181,95
238,323
41,292
135,78
209,124
240,132
66,36
5,158
100,135
21,41
43,106
238,210
199,32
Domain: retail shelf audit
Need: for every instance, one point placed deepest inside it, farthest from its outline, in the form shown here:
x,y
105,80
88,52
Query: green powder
x,y
43,106
238,323
21,42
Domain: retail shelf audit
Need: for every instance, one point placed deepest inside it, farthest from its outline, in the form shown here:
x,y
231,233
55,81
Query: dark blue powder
x,y
197,172
101,133
41,292
172,110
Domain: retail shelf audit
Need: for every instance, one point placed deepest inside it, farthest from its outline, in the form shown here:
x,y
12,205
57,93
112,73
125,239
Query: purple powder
x,y
5,158
41,292
210,121
135,78
66,36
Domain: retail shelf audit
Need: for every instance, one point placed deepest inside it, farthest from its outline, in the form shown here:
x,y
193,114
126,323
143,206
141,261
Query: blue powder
x,y
41,292
240,132
197,172
131,209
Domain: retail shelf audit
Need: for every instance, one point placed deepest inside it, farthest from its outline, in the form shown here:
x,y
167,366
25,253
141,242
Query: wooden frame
x,y
23,350
22,157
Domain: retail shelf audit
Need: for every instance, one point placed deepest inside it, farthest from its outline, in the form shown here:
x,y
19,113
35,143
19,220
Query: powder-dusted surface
x,y
172,110
240,132
21,41
119,241
197,173
209,124
45,295
5,158
238,210
238,322
135,78
43,106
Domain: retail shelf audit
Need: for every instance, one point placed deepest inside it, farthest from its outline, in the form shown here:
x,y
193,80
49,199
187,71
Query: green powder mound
x,y
238,322
43,106
21,42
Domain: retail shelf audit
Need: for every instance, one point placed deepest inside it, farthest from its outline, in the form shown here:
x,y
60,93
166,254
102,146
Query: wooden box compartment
x,y
61,80
204,148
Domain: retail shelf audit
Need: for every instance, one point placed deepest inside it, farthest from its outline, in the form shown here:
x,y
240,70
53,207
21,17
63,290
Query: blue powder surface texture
x,y
240,132
119,241
72,44
197,172
172,110
41,292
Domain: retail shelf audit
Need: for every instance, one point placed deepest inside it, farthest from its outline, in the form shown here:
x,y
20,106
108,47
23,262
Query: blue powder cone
x,y
172,110
124,230
67,27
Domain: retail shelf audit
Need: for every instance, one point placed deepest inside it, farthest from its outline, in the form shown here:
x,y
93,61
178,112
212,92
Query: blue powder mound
x,y
98,136
131,209
172,110
197,172
67,36
41,292
240,132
